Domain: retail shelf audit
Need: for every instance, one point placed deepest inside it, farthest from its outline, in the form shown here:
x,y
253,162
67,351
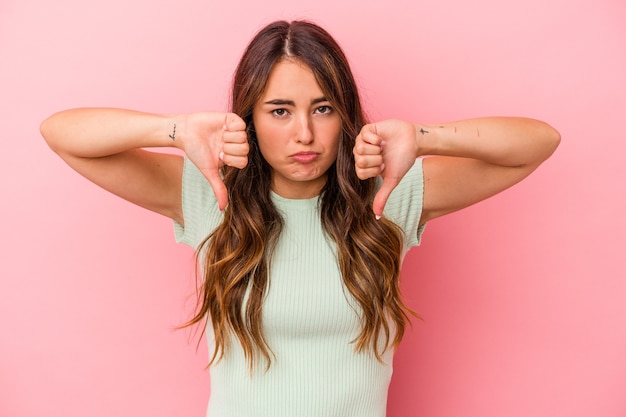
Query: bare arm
x,y
107,147
468,160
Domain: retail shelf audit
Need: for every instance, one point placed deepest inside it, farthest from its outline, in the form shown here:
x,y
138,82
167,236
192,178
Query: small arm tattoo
x,y
423,132
173,135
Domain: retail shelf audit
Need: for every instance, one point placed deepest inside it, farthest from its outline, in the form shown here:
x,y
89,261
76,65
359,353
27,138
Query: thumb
x,y
218,186
234,123
380,199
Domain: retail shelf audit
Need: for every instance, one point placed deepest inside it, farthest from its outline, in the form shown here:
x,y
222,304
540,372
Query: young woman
x,y
301,214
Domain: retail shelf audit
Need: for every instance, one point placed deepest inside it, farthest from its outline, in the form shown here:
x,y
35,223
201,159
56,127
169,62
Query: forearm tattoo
x,y
423,132
173,135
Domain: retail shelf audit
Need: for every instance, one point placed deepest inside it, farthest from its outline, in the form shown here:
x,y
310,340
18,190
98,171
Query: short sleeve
x,y
200,210
405,204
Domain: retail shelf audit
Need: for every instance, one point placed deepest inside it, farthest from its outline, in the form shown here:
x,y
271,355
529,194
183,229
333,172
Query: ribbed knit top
x,y
309,317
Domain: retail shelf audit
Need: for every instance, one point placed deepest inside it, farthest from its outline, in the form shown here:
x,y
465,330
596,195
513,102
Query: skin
x,y
297,130
468,160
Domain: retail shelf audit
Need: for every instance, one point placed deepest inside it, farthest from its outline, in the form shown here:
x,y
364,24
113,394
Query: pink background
x,y
523,296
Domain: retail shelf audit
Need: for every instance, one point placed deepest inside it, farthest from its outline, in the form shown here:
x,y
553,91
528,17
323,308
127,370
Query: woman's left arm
x,y
468,161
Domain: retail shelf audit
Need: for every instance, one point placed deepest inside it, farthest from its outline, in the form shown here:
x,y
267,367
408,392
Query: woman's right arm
x,y
106,146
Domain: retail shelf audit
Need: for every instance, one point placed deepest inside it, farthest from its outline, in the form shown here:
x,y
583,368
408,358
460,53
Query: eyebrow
x,y
283,102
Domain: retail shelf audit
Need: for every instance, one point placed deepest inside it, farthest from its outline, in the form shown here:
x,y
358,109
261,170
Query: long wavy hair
x,y
235,257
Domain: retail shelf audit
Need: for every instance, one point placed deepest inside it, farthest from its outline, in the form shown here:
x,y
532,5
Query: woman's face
x,y
297,130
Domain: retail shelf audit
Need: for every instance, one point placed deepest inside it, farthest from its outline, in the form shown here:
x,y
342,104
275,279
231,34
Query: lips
x,y
305,157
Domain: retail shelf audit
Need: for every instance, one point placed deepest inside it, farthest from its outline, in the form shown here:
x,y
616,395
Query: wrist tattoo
x,y
423,132
173,135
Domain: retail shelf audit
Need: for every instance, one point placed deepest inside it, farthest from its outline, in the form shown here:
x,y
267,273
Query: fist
x,y
212,140
389,149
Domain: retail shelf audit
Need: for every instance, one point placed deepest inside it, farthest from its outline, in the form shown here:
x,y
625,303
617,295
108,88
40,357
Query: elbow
x,y
48,131
541,141
552,139
546,139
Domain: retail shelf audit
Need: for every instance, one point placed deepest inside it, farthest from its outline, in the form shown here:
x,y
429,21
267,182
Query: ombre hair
x,y
235,257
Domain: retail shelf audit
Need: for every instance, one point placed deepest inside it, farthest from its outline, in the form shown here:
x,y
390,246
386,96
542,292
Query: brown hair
x,y
237,254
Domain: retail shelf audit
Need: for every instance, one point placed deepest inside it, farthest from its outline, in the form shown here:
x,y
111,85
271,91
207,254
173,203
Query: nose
x,y
304,130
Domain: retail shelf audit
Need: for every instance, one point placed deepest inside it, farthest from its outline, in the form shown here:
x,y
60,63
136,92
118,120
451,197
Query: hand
x,y
212,140
389,149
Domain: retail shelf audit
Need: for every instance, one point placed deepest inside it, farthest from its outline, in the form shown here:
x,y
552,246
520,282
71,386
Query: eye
x,y
279,112
324,110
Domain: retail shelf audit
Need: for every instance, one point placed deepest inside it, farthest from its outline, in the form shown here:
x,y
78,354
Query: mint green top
x,y
309,317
